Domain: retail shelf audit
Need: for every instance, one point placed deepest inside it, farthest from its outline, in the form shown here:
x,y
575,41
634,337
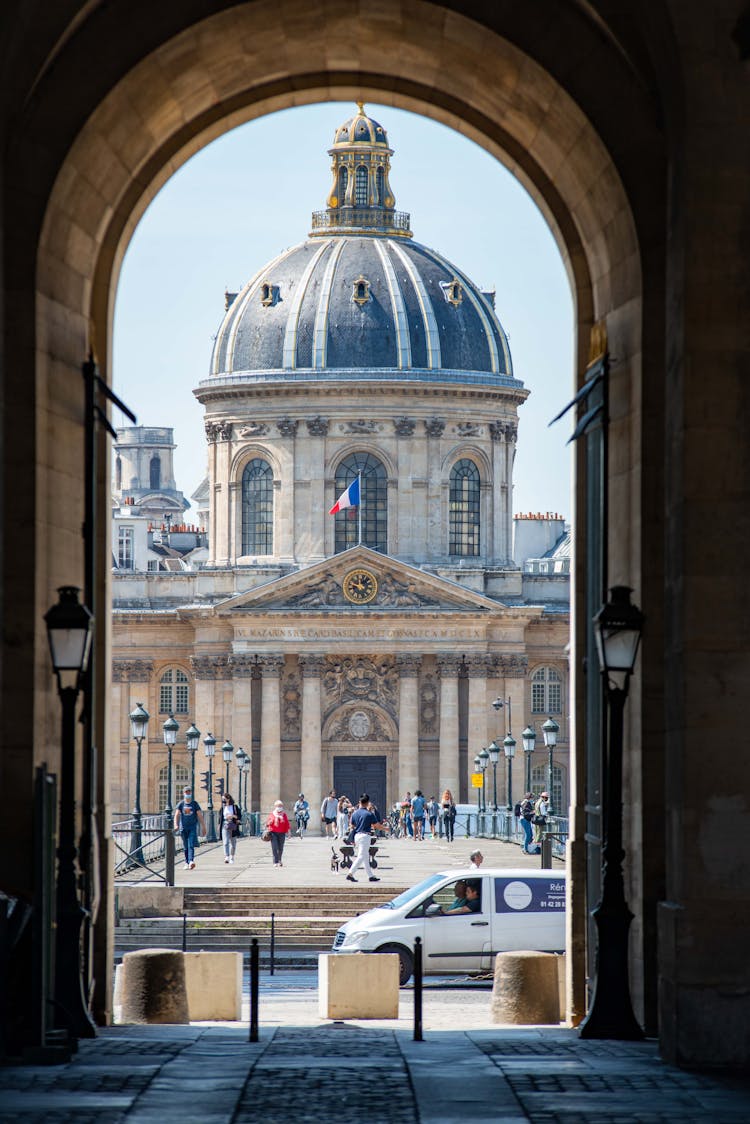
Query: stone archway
x,y
207,76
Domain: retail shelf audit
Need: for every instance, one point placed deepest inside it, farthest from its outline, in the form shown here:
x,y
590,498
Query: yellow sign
x,y
476,780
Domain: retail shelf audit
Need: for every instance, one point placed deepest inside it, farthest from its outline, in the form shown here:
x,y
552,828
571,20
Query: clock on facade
x,y
360,586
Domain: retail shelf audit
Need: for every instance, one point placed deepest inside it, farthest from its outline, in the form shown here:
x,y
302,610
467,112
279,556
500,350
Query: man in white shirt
x,y
328,811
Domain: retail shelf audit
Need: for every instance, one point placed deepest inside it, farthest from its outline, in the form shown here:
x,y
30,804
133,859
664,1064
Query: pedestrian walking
x,y
433,811
525,816
278,825
418,805
328,811
187,816
362,821
342,817
301,812
449,814
230,826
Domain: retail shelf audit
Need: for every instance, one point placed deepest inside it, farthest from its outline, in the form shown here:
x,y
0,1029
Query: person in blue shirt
x,y
418,806
187,816
362,822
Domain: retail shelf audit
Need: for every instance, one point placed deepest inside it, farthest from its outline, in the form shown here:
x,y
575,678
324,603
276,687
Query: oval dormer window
x,y
452,291
268,293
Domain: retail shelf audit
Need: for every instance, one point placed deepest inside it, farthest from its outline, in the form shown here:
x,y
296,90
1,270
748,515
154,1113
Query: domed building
x,y
358,647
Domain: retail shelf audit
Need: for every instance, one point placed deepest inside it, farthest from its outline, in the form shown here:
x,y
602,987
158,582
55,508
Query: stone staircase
x,y
226,918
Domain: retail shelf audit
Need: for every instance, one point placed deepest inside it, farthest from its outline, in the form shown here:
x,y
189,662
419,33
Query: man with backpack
x,y
187,816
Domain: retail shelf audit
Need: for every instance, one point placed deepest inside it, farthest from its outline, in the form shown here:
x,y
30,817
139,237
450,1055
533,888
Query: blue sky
x,y
248,196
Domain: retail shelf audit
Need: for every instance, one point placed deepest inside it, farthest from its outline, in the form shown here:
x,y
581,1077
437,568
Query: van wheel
x,y
405,961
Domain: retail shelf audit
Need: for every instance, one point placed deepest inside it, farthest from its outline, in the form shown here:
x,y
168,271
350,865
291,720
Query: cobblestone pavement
x,y
305,1068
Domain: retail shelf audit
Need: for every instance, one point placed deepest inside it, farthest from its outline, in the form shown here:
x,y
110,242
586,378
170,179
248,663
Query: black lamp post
x,y
498,705
484,760
209,744
138,728
528,737
617,628
509,749
550,729
69,630
169,730
242,763
192,738
227,752
494,751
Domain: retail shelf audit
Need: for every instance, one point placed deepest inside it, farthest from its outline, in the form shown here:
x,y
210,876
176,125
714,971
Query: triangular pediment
x,y
336,584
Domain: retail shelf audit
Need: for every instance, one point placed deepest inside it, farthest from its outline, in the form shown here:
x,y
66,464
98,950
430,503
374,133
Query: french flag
x,y
349,498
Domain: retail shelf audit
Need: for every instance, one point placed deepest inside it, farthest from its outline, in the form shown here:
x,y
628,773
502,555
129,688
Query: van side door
x,y
528,912
455,941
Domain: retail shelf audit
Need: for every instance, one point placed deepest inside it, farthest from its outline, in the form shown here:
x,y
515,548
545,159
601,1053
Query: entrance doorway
x,y
354,775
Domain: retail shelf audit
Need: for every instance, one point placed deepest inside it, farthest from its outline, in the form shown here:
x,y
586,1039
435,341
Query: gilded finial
x,y
361,108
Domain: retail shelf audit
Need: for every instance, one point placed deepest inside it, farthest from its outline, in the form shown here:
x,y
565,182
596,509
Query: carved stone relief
x,y
287,427
327,591
211,667
362,425
514,667
434,427
318,426
429,706
254,429
291,708
361,678
358,726
404,427
468,429
132,671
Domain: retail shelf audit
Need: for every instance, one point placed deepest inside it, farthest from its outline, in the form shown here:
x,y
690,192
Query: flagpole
x,y
359,511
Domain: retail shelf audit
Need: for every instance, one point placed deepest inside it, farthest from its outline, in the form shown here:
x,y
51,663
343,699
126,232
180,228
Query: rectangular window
x,y
555,698
125,559
165,699
537,698
181,698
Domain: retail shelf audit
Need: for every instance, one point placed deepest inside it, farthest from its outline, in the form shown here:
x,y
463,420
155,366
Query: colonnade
x,y
236,696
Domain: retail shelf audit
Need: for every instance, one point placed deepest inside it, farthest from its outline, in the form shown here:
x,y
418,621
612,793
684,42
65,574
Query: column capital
x,y
211,667
448,664
132,671
312,666
512,666
408,666
244,667
480,666
271,666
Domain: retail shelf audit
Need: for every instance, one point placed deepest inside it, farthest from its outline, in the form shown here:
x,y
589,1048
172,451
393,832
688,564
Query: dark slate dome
x,y
360,295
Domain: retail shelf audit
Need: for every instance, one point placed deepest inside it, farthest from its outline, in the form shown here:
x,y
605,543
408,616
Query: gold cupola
x,y
361,198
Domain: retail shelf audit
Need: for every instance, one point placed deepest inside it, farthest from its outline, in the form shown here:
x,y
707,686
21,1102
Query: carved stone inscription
x,y
362,678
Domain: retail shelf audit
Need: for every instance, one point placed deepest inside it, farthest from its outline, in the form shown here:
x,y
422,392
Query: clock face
x,y
360,586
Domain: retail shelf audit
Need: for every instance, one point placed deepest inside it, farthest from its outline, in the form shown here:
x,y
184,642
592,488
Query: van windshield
x,y
414,892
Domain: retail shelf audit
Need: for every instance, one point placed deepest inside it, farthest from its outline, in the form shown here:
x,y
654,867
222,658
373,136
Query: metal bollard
x,y
184,932
546,852
418,989
254,977
273,940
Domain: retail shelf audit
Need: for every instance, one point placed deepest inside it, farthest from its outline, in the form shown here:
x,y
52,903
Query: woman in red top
x,y
278,824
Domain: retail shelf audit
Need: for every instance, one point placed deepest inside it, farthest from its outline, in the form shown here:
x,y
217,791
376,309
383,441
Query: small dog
x,y
334,861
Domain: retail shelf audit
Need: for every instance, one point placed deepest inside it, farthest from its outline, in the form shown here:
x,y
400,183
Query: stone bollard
x,y
526,988
152,987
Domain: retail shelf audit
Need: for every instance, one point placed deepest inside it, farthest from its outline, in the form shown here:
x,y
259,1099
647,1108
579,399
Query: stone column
x,y
448,667
208,673
311,472
284,499
479,667
271,667
408,723
514,671
234,519
242,724
311,758
434,511
131,679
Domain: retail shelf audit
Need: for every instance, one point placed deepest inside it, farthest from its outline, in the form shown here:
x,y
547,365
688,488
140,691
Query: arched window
x,y
546,691
558,795
257,508
174,692
118,474
343,180
360,187
381,186
154,473
464,523
180,778
374,503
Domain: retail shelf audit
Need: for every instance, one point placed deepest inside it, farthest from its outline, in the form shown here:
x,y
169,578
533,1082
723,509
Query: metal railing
x,y
503,824
154,843
371,218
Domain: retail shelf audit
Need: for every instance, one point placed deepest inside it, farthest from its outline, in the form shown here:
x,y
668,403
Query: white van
x,y
514,909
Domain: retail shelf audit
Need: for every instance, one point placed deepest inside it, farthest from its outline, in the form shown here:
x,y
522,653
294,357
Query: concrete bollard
x,y
526,988
214,986
358,985
152,987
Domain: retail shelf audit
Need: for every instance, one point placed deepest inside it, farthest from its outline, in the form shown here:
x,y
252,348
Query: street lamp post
x,y
509,749
227,752
192,738
69,629
484,760
494,751
169,730
550,729
498,705
617,628
138,728
242,763
209,744
478,769
528,737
